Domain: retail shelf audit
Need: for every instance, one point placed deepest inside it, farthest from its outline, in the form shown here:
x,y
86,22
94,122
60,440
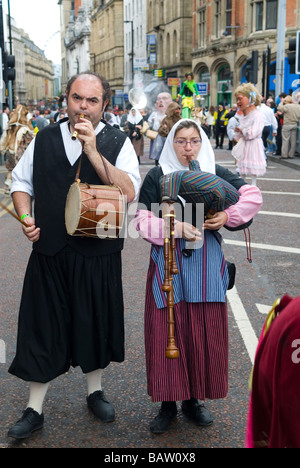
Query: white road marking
x,y
281,214
242,320
263,309
276,248
297,194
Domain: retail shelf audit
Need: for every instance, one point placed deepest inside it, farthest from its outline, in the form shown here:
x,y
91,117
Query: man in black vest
x,y
71,310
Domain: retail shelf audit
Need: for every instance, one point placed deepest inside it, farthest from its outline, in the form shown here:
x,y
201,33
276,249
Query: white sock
x,y
94,381
254,181
37,395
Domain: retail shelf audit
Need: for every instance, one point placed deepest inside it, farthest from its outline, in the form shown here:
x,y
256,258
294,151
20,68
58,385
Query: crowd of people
x,y
67,321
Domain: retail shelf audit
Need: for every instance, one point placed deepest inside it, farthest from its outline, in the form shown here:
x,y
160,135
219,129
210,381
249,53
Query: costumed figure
x,y
15,139
249,150
135,124
189,88
199,117
72,309
200,369
172,117
151,130
274,405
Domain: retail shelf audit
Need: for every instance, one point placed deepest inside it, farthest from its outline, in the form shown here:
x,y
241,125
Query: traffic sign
x,y
160,73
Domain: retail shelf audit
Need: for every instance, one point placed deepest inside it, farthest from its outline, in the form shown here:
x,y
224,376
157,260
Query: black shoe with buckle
x,y
196,411
162,421
101,407
31,421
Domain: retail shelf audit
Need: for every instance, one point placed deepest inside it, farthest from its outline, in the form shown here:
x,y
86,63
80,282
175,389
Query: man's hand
x,y
32,232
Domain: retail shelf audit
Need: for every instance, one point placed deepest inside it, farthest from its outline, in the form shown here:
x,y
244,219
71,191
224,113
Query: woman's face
x,y
133,113
242,102
187,144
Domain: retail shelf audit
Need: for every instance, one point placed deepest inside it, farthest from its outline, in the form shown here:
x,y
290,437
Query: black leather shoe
x,y
101,407
31,421
162,421
196,411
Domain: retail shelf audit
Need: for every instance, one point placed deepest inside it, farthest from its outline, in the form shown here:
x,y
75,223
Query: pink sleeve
x,y
256,129
150,227
246,208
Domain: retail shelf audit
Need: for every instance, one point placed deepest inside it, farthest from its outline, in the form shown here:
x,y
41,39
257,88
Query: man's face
x,y
162,102
86,98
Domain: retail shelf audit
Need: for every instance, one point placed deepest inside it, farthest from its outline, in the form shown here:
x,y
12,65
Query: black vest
x,y
52,177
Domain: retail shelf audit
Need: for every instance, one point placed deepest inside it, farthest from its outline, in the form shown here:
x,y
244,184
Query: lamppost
x,y
132,50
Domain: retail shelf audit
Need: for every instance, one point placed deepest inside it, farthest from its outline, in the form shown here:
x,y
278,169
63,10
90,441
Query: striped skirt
x,y
201,334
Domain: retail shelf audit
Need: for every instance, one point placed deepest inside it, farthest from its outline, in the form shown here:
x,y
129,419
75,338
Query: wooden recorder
x,y
172,351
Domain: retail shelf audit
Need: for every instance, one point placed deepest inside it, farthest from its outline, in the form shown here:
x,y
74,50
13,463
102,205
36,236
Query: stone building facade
x,y
225,32
171,22
107,41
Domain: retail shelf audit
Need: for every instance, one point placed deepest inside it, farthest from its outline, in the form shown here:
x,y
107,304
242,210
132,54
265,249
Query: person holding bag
x,y
201,330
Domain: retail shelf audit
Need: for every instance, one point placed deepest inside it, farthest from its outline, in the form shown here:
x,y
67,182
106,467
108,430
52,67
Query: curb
x,y
292,163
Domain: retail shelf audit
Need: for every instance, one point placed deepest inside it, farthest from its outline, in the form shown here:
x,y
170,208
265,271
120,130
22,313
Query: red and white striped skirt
x,y
201,334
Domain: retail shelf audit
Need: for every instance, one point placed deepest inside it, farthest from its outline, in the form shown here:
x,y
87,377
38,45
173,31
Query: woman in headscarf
x,y
201,371
135,125
172,117
274,416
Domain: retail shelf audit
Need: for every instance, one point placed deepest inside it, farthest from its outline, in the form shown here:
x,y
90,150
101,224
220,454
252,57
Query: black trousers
x,y
71,313
220,134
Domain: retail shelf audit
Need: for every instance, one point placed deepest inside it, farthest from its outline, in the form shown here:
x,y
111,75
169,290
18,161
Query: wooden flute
x,y
172,351
75,133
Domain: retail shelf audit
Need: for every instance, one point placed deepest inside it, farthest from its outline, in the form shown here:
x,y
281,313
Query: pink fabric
x,y
249,152
152,228
246,208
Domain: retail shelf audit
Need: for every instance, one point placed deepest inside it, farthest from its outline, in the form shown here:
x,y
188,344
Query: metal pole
x,y
264,73
268,71
280,61
10,83
132,51
2,57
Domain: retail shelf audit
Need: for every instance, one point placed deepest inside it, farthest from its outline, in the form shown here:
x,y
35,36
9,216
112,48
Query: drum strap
x,y
104,164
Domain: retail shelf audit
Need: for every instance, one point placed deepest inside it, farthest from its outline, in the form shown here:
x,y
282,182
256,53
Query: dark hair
x,y
187,124
103,81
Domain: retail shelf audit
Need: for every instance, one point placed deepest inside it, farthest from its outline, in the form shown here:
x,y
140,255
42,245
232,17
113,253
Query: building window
x,y
271,14
228,12
218,17
202,23
264,14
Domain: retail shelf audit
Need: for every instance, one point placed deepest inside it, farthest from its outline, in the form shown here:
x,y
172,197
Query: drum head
x,y
73,209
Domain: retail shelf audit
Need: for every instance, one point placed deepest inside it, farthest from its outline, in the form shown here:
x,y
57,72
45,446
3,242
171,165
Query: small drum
x,y
96,211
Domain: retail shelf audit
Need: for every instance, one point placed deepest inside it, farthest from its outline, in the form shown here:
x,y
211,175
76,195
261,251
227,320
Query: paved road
x,y
275,270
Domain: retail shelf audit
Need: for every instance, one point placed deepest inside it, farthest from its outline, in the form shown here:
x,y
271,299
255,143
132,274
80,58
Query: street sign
x,y
202,89
160,73
174,82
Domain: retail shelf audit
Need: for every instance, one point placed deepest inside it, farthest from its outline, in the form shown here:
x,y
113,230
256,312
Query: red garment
x,y
276,381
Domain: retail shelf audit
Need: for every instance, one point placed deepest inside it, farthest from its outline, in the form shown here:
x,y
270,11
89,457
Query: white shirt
x,y
5,121
269,117
22,175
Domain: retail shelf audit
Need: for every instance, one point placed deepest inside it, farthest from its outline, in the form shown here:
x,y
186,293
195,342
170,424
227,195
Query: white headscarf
x,y
135,119
169,161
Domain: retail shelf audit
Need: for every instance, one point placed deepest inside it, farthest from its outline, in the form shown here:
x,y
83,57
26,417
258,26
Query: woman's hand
x,y
216,222
188,232
31,232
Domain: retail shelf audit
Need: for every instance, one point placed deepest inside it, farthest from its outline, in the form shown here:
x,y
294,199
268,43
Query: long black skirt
x,y
71,314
